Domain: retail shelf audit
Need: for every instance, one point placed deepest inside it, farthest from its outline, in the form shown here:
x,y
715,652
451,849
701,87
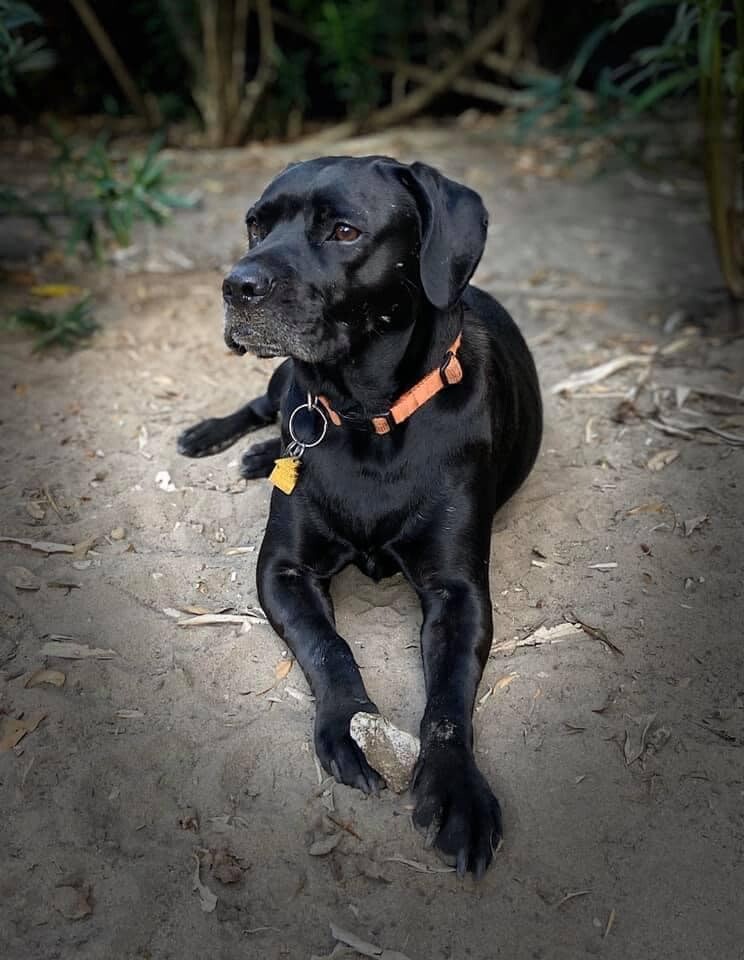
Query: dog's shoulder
x,y
486,310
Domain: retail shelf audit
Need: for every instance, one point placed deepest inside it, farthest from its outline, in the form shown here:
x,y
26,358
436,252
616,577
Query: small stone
x,y
390,751
118,533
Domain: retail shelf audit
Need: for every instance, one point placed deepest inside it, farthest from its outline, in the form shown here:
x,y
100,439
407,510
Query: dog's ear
x,y
453,232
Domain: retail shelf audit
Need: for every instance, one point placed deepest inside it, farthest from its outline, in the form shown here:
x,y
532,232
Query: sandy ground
x,y
184,744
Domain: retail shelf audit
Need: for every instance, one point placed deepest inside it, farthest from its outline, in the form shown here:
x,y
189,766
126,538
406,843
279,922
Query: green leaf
x,y
68,328
174,200
673,83
585,53
15,15
637,7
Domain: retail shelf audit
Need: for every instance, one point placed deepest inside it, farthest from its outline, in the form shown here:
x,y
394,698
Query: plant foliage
x,y
67,328
101,197
17,54
702,50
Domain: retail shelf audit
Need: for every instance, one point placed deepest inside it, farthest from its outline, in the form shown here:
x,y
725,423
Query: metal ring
x,y
304,406
294,449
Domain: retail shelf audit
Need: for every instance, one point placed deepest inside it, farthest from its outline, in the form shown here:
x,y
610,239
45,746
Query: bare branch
x,y
470,87
173,11
207,93
113,60
522,71
255,90
240,28
417,100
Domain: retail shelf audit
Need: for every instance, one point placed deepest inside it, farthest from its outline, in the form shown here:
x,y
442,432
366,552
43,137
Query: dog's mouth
x,y
262,350
276,334
243,336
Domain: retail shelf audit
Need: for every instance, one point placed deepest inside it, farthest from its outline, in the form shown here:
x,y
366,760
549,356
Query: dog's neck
x,y
367,383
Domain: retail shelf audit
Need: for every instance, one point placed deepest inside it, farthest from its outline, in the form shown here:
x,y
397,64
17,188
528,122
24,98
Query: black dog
x,y
410,411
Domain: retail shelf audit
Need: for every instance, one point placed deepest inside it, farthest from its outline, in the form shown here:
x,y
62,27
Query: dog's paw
x,y
340,756
455,809
258,460
204,439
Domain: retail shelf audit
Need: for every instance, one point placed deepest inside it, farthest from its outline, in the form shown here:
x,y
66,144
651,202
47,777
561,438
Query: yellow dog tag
x,y
285,474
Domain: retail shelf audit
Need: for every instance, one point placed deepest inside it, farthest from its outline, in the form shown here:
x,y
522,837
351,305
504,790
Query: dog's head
x,y
342,249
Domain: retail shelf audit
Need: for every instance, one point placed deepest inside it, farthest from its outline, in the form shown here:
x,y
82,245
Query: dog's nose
x,y
247,282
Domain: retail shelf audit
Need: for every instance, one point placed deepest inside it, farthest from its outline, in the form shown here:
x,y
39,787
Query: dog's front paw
x,y
204,439
455,809
258,460
337,752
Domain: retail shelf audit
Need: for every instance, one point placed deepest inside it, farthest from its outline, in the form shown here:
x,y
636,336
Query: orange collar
x,y
420,393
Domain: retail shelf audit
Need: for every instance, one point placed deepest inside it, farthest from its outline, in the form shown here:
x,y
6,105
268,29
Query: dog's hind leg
x,y
218,433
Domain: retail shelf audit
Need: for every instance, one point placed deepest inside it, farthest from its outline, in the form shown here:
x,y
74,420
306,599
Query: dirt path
x,y
184,741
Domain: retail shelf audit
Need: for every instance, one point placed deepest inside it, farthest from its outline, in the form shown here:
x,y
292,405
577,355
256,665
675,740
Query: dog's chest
x,y
368,501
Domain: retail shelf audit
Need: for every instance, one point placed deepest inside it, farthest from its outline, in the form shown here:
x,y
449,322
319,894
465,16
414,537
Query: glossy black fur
x,y
362,321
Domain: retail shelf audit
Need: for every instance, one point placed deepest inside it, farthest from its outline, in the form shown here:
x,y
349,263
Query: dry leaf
x,y
324,846
653,507
601,372
417,865
662,459
371,869
571,896
75,651
339,952
503,682
687,427
635,737
363,947
207,900
600,635
73,902
282,669
35,510
81,549
214,619
691,525
22,578
54,290
540,636
189,821
43,546
43,676
12,731
225,867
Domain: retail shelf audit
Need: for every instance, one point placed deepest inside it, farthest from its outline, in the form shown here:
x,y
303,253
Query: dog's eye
x,y
345,233
254,234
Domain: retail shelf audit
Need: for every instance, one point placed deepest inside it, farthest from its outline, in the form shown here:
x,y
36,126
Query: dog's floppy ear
x,y
453,232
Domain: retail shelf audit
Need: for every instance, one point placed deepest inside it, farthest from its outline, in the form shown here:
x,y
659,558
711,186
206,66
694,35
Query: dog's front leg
x,y
455,807
298,606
